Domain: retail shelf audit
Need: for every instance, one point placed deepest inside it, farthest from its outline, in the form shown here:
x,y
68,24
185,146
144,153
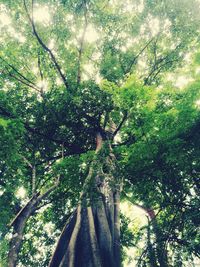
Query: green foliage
x,y
53,127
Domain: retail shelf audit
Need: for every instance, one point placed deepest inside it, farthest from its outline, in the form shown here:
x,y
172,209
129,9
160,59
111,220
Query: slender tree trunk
x,y
158,253
16,241
161,250
19,224
151,249
91,236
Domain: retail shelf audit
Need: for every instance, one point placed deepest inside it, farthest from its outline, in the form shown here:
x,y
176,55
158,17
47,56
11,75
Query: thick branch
x,y
21,211
99,142
73,149
33,179
34,200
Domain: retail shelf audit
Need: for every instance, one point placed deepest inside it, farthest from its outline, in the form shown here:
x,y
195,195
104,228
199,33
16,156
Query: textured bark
x,y
91,237
87,240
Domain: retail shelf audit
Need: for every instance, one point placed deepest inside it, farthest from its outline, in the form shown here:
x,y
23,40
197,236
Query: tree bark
x,y
91,236
19,224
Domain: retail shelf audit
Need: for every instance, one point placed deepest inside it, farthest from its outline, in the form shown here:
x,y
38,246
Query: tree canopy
x,y
99,104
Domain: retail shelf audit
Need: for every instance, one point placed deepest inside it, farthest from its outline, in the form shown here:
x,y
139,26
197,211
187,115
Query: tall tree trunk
x,y
91,236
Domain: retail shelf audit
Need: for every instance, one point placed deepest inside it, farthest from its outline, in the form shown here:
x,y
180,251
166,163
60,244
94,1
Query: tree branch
x,y
23,82
44,46
41,206
159,64
72,148
40,198
39,67
33,201
138,54
149,211
6,113
27,161
120,124
23,79
80,50
23,209
65,154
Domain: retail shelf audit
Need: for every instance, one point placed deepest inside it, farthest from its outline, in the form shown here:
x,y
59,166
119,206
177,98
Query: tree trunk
x,y
19,224
91,236
161,250
151,249
158,255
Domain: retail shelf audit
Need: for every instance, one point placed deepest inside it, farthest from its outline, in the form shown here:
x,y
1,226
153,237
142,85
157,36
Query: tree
x,y
164,177
56,118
